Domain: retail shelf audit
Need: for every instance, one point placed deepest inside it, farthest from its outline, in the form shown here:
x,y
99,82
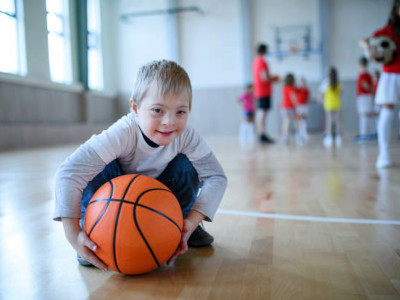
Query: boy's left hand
x,y
182,247
189,225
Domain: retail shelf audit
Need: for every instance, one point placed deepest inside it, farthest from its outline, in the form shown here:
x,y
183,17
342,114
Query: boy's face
x,y
162,118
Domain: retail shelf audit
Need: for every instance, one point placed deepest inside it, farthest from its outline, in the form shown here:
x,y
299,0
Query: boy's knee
x,y
180,174
183,163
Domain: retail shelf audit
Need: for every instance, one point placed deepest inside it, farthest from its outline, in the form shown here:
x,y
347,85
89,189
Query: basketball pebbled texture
x,y
136,222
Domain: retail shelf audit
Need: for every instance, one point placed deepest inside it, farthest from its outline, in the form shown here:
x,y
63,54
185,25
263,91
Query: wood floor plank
x,y
253,257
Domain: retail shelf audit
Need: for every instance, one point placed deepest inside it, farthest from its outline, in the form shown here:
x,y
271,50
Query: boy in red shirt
x,y
262,91
365,102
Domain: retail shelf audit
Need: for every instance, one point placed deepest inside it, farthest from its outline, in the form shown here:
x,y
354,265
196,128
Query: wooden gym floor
x,y
338,247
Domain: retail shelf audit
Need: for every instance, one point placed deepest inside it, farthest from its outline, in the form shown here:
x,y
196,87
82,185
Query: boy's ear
x,y
134,106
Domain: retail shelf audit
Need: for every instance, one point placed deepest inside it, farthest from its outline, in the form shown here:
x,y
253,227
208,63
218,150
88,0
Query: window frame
x,y
65,35
97,48
18,16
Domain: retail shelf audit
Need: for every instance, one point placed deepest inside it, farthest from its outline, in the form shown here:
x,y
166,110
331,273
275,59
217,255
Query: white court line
x,y
305,218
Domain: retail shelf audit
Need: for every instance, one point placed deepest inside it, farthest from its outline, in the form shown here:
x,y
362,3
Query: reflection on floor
x,y
253,256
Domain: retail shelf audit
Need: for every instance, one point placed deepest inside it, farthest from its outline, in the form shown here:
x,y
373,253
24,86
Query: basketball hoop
x,y
294,48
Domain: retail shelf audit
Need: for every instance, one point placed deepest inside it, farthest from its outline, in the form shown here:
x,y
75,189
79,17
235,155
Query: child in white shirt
x,y
153,140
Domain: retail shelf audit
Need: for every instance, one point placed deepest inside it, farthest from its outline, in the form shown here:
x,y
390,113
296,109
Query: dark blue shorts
x,y
264,103
249,114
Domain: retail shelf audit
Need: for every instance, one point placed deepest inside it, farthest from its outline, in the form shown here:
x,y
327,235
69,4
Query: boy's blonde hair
x,y
166,75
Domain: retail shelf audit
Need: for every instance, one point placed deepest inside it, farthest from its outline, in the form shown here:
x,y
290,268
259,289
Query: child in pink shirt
x,y
246,130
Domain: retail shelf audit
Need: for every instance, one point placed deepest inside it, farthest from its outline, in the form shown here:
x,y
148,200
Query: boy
x,y
152,140
262,91
365,102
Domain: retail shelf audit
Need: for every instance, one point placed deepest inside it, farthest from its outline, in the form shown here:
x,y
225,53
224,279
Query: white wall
x,y
274,13
36,40
211,43
109,43
351,21
140,39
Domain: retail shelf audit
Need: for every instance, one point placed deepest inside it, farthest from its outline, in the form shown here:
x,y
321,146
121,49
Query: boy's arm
x,y
77,171
264,75
267,77
365,83
293,97
71,179
214,182
86,162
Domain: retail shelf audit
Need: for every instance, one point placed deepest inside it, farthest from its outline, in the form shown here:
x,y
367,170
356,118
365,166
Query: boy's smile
x,y
162,118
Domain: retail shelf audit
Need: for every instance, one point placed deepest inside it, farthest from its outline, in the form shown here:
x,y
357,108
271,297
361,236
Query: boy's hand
x,y
81,243
189,225
182,247
275,78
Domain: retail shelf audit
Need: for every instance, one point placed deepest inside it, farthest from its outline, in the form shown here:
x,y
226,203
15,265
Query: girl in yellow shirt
x,y
332,107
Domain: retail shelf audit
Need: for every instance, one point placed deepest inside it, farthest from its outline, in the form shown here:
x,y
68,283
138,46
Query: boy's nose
x,y
168,119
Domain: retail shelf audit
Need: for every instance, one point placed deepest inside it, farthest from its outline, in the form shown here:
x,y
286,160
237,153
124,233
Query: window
x,y
95,67
12,56
59,42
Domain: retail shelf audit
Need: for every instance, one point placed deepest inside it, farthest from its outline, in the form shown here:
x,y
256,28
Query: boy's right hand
x,y
81,242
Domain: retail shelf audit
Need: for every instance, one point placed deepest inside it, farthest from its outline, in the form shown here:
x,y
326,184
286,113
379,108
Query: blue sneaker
x,y
82,261
361,139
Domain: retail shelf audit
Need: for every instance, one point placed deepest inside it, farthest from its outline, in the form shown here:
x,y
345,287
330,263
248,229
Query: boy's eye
x,y
157,110
181,112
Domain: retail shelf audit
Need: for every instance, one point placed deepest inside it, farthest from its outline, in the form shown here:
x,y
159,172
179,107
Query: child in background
x,y
303,95
246,130
377,74
388,91
365,103
153,140
375,113
288,105
332,106
263,82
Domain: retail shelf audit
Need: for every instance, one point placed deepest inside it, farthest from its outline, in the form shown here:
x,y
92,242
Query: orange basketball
x,y
136,223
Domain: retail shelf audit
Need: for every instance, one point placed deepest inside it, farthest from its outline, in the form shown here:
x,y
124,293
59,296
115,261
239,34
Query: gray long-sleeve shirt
x,y
124,141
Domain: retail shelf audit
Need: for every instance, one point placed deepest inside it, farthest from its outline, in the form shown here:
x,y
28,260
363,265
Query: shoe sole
x,y
200,245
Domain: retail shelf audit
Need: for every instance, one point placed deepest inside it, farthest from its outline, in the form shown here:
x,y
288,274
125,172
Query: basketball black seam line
x,y
137,225
116,223
104,209
140,231
144,206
